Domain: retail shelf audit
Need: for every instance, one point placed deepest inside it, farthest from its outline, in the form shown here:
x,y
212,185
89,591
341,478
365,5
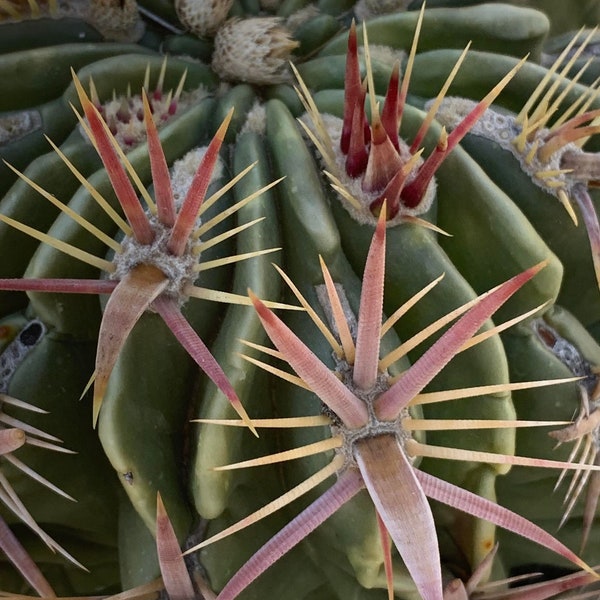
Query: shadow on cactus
x,y
157,263
14,433
372,429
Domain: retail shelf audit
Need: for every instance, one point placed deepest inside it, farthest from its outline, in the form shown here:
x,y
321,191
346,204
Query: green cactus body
x,y
214,447
495,28
555,345
500,222
528,179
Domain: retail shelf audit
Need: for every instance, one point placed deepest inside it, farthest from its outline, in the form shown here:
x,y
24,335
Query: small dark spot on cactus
x,y
128,477
31,334
5,332
547,336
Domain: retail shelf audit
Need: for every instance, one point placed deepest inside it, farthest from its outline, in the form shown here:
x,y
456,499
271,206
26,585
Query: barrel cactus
x,y
251,253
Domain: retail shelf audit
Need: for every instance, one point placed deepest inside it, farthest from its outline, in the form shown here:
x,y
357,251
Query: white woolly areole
x,y
256,120
384,54
504,129
184,170
367,9
16,125
124,115
178,269
333,125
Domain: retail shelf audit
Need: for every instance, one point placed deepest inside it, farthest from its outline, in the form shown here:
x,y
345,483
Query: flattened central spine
x,y
375,427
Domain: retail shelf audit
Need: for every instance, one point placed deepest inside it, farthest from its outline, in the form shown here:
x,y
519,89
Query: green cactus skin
x,y
147,441
560,16
42,74
492,27
27,35
212,446
188,45
315,33
24,204
527,355
84,475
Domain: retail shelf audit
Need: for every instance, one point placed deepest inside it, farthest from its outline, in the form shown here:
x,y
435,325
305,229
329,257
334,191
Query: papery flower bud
x,y
253,50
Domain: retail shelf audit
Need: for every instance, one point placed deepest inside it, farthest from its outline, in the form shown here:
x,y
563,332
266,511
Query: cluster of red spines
x,y
374,151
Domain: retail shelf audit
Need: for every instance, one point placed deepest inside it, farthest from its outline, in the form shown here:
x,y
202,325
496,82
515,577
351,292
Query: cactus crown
x,y
368,164
124,115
